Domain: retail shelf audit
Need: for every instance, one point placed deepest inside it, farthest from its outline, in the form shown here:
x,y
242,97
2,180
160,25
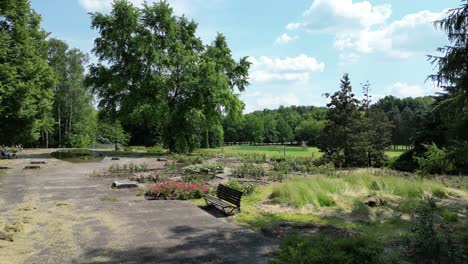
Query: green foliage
x,y
187,159
210,169
150,51
306,165
172,190
26,79
320,249
354,135
114,132
435,161
128,167
429,241
247,188
249,170
155,149
309,131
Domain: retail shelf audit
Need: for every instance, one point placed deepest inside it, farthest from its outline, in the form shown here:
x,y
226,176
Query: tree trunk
x,y
47,139
59,127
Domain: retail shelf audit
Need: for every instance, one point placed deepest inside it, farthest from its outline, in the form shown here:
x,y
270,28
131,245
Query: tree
x,y
309,131
26,79
159,79
343,120
114,132
73,110
253,129
285,132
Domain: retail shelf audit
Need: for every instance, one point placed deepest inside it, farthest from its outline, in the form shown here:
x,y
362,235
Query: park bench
x,y
226,198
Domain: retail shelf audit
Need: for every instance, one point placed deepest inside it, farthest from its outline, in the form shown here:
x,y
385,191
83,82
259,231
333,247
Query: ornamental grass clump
x,y
172,190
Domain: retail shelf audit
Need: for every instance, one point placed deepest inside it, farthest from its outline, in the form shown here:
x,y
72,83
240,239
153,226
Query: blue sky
x,y
301,48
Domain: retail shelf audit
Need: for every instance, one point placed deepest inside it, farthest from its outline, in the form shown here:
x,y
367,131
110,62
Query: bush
x,y
172,190
406,161
431,242
128,168
247,188
318,250
435,160
248,170
155,149
197,177
204,169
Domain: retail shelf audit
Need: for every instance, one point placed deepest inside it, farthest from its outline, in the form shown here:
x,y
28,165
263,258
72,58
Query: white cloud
x,y
361,27
285,38
270,101
401,89
179,6
298,68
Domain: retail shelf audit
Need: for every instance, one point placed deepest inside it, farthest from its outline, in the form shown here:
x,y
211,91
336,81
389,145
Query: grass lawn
x,y
279,150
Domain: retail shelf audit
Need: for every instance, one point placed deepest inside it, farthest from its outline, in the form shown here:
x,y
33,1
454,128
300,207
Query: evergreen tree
x,y
337,140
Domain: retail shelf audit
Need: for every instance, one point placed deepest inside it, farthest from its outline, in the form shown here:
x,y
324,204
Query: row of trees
x,y
283,125
43,97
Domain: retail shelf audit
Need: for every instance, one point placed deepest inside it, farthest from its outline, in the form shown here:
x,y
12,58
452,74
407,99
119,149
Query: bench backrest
x,y
229,194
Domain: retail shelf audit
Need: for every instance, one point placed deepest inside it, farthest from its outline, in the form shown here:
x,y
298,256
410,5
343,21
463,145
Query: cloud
x,y
179,6
285,38
403,90
298,68
361,27
270,101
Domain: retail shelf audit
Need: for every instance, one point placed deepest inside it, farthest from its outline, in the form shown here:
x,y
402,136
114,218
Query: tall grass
x,y
320,191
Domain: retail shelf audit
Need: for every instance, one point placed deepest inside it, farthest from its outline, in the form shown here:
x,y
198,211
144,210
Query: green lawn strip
x,y
278,150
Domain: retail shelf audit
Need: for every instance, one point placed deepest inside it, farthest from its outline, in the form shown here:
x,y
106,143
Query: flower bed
x,y
146,178
172,190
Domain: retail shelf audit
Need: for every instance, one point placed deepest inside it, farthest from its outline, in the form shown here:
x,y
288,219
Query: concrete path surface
x,y
62,213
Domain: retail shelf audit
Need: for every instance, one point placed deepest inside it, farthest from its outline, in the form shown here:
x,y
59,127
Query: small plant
x,y
172,190
248,170
247,188
128,168
146,178
186,159
197,177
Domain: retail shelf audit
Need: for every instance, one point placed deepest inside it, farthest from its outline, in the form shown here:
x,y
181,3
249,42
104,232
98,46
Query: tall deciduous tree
x,y
73,110
156,76
26,79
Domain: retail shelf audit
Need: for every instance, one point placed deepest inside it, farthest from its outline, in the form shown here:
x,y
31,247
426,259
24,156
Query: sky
x,y
299,49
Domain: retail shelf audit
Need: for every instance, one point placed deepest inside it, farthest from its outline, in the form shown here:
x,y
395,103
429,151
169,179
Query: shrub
x,y
317,250
247,188
172,190
128,168
197,177
155,149
248,170
431,242
435,161
204,169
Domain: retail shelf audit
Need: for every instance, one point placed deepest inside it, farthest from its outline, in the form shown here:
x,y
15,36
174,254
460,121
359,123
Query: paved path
x,y
67,215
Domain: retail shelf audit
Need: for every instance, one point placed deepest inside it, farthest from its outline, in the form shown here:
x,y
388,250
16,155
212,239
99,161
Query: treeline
x,y
294,124
43,100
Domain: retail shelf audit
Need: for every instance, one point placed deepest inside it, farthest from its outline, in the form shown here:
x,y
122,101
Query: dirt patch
x,y
46,231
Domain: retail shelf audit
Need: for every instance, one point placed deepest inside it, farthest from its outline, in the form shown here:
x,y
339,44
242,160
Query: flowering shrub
x,y
146,178
172,190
